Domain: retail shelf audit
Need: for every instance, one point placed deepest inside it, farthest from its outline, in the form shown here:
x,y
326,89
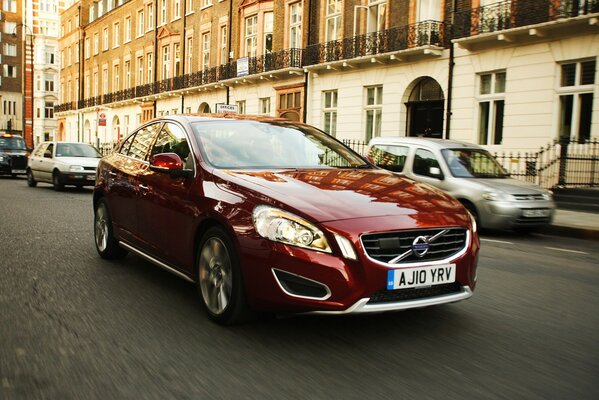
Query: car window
x,y
40,150
389,157
49,150
9,142
140,145
424,160
473,163
172,139
76,150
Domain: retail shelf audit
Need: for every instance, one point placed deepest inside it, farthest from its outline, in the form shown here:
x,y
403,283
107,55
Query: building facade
x,y
509,74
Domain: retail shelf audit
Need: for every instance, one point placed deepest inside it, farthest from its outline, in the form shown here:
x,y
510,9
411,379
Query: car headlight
x,y
491,196
76,168
548,195
1,158
281,226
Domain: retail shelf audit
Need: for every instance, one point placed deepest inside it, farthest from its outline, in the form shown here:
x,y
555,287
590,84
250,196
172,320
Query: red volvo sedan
x,y
271,215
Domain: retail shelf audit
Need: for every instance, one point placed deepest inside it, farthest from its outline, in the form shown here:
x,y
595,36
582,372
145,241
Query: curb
x,y
570,231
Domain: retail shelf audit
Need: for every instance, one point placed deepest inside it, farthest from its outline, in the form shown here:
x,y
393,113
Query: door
x,y
46,163
35,161
166,206
426,119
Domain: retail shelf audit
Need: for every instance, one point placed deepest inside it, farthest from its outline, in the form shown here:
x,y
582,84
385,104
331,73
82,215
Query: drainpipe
x,y
230,33
450,77
81,77
155,48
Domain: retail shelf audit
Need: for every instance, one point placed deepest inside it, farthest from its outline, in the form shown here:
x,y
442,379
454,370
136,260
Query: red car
x,y
271,215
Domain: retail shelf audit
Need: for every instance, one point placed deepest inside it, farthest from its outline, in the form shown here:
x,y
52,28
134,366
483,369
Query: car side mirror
x,y
435,172
168,163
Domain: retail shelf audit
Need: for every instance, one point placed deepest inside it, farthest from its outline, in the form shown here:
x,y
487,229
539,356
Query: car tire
x,y
57,181
31,182
219,280
106,244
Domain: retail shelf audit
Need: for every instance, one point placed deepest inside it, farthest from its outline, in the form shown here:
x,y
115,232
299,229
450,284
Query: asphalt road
x,y
73,326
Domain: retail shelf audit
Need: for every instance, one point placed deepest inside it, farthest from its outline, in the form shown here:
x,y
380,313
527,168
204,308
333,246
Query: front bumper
x,y
78,178
512,214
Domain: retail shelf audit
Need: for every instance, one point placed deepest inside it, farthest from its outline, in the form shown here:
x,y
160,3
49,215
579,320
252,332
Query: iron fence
x,y
563,163
107,148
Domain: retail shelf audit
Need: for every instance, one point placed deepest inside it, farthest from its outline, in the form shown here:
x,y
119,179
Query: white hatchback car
x,y
63,163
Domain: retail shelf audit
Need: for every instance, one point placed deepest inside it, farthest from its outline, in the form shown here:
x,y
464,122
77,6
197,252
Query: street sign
x,y
227,108
102,119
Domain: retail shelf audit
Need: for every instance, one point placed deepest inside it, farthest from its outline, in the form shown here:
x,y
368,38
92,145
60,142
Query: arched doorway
x,y
204,108
425,108
61,130
116,129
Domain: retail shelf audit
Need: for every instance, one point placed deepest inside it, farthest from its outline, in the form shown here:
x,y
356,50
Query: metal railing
x,y
563,163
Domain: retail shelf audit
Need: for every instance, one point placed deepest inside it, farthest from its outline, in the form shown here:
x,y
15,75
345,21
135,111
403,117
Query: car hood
x,y
337,194
83,161
510,186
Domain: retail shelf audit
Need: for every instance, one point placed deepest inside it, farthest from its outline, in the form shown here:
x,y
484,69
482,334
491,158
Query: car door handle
x,y
111,173
144,187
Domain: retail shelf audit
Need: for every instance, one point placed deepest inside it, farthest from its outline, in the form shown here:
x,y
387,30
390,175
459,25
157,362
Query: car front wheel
x,y
219,279
57,181
31,182
106,245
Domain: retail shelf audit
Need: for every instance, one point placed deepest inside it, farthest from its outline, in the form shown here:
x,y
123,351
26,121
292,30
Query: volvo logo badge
x,y
420,246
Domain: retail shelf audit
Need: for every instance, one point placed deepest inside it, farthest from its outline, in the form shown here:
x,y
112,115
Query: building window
x,y
87,87
329,112
76,53
265,106
177,9
373,111
9,6
49,85
491,103
105,81
206,3
10,71
48,109
162,12
241,106
115,34
377,15
290,103
10,27
127,74
295,25
223,45
140,23
205,50
96,43
189,6
105,39
189,65
150,62
10,50
140,70
117,78
177,59
150,16
96,84
576,99
128,29
69,56
251,36
268,32
166,62
333,20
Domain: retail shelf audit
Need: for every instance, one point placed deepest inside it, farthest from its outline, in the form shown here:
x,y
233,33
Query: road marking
x,y
495,241
566,250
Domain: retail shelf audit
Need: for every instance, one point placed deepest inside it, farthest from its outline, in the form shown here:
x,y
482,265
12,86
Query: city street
x,y
74,326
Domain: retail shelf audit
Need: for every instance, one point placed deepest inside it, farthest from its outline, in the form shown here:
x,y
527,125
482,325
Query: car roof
x,y
430,142
222,116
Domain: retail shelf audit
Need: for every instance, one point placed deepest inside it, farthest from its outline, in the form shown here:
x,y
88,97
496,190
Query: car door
x,y
35,161
425,167
46,164
122,174
166,206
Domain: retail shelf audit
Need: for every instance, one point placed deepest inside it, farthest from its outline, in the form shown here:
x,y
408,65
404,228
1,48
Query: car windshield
x,y
76,150
473,163
271,145
12,143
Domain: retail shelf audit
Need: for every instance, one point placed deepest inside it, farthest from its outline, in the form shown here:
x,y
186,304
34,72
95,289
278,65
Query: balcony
x,y
68,106
427,37
523,21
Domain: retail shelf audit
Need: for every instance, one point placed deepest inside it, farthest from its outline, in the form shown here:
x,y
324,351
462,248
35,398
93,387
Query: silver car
x,y
470,174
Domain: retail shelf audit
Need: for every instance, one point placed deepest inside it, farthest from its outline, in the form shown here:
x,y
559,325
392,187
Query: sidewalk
x,y
582,225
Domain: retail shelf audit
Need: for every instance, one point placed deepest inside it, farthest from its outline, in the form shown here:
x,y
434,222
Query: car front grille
x,y
528,197
89,169
18,162
384,247
389,296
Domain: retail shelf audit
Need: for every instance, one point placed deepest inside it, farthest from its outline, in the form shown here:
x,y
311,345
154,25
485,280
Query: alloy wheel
x,y
101,228
215,275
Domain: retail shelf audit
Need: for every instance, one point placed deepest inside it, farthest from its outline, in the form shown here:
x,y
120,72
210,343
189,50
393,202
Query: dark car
x,y
276,216
13,155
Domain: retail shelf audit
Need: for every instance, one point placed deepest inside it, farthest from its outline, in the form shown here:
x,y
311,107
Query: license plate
x,y
423,276
91,177
536,213
18,171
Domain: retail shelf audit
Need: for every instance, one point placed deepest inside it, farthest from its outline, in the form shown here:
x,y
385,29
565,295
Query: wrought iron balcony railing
x,y
516,13
426,33
68,106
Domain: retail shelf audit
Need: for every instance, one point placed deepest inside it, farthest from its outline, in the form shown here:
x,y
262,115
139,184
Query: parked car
x,y
63,163
277,216
470,174
13,155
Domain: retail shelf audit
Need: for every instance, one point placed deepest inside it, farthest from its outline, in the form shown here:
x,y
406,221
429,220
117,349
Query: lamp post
x,y
28,140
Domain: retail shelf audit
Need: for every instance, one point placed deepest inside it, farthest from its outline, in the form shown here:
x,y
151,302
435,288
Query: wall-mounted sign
x,y
227,108
243,66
